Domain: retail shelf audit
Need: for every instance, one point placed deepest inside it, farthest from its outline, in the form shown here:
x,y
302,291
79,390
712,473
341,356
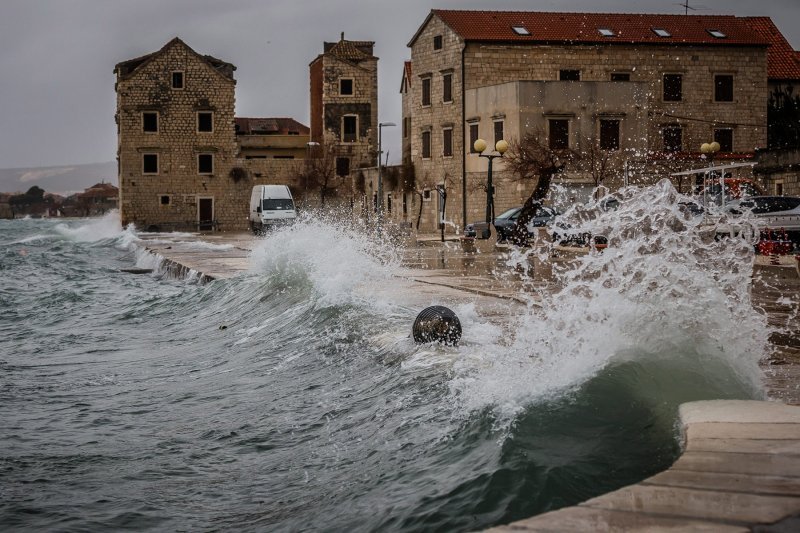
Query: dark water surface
x,y
282,401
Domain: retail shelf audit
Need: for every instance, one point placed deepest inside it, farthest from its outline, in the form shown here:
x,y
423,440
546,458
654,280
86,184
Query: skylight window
x,y
716,33
606,32
520,30
661,32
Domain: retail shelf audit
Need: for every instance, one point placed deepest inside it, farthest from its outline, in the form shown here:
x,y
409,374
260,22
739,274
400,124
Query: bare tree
x,y
597,161
319,172
532,158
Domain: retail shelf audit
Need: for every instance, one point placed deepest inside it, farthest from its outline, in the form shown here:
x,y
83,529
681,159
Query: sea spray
x,y
332,257
662,290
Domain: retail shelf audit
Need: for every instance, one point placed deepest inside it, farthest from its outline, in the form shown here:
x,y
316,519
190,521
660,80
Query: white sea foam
x,y
663,289
96,229
334,258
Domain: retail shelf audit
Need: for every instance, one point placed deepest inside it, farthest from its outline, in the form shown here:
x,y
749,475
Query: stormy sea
x,y
292,397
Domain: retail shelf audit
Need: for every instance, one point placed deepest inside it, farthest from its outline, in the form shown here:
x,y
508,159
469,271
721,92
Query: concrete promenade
x,y
740,468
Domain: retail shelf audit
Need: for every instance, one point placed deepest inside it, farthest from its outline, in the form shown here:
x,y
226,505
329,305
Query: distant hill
x,y
64,180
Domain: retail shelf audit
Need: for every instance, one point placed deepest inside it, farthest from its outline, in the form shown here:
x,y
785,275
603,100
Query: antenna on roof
x,y
686,7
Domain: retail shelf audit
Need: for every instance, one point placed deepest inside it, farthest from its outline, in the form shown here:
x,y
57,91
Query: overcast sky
x,y
57,99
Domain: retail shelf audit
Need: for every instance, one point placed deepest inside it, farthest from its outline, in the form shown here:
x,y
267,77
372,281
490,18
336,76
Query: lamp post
x,y
380,173
708,150
501,146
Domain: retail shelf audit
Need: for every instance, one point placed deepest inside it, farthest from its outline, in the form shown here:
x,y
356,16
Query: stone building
x,y
344,103
185,161
651,87
176,142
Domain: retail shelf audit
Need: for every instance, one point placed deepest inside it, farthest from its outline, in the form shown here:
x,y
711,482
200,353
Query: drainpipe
x,y
464,141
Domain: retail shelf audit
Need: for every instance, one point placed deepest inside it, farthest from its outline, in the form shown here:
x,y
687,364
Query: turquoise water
x,y
290,399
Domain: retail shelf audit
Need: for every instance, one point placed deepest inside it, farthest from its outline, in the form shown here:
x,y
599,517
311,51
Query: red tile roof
x,y
583,27
269,126
783,62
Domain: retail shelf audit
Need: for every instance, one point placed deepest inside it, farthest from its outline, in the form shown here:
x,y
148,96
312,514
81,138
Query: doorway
x,y
205,214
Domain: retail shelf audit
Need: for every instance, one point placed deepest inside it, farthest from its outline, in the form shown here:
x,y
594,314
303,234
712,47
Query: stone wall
x,y
169,198
427,62
697,112
363,103
780,170
485,64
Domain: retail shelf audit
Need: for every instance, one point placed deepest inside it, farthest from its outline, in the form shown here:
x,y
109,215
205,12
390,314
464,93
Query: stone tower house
x,y
176,141
344,103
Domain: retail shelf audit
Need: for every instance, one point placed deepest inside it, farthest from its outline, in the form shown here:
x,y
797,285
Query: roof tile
x,y
783,62
583,27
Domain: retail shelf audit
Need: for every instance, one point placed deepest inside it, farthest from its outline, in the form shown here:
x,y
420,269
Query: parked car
x,y
504,224
773,213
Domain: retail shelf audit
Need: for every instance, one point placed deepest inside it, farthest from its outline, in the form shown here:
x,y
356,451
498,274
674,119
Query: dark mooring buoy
x,y
437,324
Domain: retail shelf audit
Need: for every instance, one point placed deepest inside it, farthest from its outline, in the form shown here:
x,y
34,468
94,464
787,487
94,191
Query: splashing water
x,y
97,229
661,291
332,258
292,397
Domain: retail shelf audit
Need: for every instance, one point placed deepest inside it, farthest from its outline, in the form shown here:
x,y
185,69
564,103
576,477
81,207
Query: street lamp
x,y
380,174
501,146
708,150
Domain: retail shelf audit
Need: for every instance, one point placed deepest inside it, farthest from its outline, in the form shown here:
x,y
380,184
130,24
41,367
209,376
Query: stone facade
x,y
780,171
344,102
181,163
438,51
162,182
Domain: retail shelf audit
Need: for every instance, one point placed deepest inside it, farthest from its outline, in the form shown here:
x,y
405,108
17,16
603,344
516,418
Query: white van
x,y
271,205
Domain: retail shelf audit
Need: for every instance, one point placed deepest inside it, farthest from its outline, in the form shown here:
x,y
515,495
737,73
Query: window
x,y
520,30
426,145
426,91
205,121
620,76
346,87
609,134
661,32
569,75
177,79
342,166
205,163
723,88
778,188
437,42
406,126
447,88
150,122
426,195
606,32
559,134
149,163
473,136
498,131
673,87
717,34
389,203
447,142
350,128
673,139
724,136
164,199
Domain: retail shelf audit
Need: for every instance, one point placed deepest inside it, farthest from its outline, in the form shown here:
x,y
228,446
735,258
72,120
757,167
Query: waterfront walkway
x,y
740,469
